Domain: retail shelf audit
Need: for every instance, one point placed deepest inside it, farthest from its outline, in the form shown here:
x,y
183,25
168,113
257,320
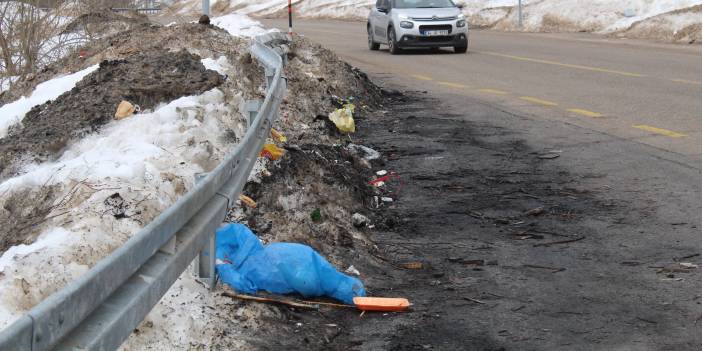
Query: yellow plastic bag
x,y
278,136
343,119
272,152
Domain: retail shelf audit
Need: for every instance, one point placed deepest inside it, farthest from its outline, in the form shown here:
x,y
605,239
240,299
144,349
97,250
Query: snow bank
x,y
604,16
149,160
13,113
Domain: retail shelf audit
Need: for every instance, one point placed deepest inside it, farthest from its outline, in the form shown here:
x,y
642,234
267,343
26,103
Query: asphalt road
x,y
476,151
639,91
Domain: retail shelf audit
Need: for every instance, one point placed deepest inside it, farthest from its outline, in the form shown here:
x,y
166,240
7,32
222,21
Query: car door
x,y
383,19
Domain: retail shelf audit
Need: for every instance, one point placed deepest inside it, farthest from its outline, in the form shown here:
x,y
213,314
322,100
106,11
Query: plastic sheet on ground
x,y
280,268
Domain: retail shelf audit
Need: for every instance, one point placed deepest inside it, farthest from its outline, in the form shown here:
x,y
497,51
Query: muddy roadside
x,y
498,246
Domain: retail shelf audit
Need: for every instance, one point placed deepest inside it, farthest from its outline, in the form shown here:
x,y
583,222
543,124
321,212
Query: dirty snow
x,y
219,65
149,159
13,113
239,25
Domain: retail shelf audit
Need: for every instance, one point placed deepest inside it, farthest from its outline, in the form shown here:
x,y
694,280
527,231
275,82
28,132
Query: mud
x,y
146,79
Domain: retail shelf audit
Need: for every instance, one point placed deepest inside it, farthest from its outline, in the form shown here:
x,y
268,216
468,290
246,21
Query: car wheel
x,y
371,42
392,42
460,49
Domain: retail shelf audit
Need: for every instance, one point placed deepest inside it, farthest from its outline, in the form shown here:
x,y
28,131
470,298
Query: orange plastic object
x,y
381,304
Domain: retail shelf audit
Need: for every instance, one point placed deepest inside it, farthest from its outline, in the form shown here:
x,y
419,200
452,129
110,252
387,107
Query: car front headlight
x,y
406,24
461,23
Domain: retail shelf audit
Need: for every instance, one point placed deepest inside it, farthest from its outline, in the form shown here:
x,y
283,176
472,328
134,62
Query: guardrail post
x,y
270,74
204,263
252,107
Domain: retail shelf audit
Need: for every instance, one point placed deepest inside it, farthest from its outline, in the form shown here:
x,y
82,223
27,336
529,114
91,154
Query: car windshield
x,y
423,4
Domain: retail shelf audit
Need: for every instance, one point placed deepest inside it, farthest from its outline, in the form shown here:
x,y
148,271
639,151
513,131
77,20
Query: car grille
x,y
425,28
424,19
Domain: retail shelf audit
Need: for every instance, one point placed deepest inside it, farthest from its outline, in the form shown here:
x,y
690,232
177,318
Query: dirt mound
x,y
145,79
318,80
205,41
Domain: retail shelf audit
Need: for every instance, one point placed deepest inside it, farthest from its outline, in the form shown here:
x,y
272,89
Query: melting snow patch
x,y
220,65
239,25
13,113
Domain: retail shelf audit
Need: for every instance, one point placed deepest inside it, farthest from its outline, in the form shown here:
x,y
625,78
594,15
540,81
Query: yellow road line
x,y
585,113
454,85
567,65
493,91
538,101
421,77
685,81
661,131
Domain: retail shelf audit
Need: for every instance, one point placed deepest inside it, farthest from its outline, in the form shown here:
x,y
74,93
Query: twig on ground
x,y
275,301
559,242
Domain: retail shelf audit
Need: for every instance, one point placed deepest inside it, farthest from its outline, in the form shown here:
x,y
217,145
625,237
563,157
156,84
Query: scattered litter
x,y
343,119
381,173
272,152
534,212
247,201
386,199
364,152
279,268
359,220
466,262
353,271
412,265
278,136
316,215
381,304
680,267
628,13
549,156
473,300
126,109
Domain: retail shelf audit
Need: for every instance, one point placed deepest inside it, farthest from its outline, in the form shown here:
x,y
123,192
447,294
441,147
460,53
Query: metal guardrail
x,y
102,308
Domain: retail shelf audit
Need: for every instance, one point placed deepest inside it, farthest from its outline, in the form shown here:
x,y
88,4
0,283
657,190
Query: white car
x,y
417,24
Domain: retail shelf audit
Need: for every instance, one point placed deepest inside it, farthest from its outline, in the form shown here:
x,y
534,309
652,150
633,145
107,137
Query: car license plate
x,y
432,33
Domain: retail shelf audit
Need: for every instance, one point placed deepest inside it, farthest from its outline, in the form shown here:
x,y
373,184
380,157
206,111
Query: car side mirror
x,y
461,5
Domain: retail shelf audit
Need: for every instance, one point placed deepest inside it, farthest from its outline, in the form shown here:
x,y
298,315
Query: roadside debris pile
x,y
76,182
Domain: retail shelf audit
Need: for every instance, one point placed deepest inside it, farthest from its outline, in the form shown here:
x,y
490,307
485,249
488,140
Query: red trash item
x,y
381,304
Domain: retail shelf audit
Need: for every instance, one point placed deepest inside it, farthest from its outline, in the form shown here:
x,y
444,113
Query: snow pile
x,y
13,113
116,181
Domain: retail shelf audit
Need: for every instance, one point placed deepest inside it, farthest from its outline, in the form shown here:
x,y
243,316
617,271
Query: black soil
x,y
146,79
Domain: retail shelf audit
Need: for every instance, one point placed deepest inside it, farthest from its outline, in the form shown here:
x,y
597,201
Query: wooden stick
x,y
267,300
560,242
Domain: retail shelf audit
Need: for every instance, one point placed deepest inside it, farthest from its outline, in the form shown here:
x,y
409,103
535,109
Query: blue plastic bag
x,y
280,268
